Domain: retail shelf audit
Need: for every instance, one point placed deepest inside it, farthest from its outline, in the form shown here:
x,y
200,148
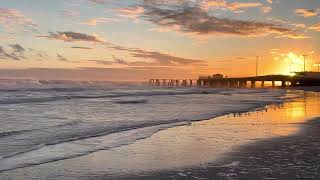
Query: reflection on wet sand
x,y
199,144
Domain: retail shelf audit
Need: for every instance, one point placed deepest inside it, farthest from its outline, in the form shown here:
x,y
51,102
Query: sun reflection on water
x,y
296,111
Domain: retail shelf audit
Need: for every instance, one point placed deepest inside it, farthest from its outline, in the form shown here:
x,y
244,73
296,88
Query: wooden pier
x,y
241,82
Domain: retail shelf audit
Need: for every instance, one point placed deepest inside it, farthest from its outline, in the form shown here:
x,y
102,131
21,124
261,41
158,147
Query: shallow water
x,y
197,144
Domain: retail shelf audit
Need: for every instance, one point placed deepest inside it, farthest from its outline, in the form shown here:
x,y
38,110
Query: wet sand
x,y
277,142
293,157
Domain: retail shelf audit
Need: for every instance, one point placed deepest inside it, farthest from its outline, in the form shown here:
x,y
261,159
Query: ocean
x,y
46,121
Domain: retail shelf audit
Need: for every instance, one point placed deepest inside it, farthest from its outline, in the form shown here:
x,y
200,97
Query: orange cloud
x,y
294,36
240,5
306,12
207,4
234,6
315,27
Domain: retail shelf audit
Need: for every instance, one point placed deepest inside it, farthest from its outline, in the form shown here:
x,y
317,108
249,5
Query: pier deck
x,y
240,82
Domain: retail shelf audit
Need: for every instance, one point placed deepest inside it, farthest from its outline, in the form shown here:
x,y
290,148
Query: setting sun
x,y
294,59
294,63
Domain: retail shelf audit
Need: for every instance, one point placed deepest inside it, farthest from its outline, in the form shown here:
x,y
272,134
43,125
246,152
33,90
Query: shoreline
x,y
292,157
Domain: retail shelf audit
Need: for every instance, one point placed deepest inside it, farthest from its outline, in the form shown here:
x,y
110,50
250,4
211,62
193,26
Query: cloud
x,y
119,60
10,18
17,49
98,1
70,36
155,58
222,4
80,47
102,62
193,21
299,25
5,55
240,5
62,58
295,36
266,9
96,21
315,27
150,58
69,13
17,52
287,23
37,54
131,12
306,12
208,4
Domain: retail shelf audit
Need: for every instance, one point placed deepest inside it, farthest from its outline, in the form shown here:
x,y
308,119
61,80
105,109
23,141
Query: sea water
x,y
46,121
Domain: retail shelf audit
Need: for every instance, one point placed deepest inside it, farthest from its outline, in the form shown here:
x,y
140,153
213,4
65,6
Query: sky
x,y
128,40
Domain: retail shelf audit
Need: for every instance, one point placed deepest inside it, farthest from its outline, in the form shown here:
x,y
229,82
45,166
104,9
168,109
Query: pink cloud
x,y
266,9
131,13
10,18
96,21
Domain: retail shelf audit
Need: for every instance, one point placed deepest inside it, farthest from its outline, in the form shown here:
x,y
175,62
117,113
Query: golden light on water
x,y
297,110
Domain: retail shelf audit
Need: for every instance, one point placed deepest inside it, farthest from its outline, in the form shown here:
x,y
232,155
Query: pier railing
x,y
174,82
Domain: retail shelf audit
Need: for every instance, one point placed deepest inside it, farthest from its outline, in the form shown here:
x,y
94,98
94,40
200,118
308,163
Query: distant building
x,y
313,75
217,76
